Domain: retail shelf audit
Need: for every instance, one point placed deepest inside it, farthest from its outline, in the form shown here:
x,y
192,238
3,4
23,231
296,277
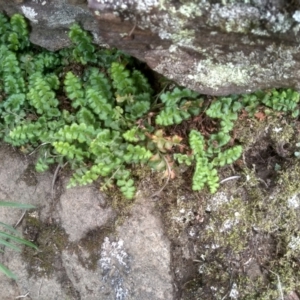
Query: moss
x,y
50,239
29,176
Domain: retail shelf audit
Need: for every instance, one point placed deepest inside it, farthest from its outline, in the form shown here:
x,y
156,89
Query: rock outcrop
x,y
214,47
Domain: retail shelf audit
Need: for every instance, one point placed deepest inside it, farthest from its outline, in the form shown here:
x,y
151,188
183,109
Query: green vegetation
x,y
9,237
93,109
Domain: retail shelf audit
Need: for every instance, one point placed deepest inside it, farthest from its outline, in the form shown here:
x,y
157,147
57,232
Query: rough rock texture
x,y
79,217
214,47
78,257
134,257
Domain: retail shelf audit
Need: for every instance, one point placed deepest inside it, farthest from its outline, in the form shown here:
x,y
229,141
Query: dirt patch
x,y
242,242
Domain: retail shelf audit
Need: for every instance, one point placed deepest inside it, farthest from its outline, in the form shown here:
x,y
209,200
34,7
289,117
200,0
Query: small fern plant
x,y
91,108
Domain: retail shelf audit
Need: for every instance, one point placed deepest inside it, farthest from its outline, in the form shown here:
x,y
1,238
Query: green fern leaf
x,y
228,156
100,106
121,80
74,90
70,151
197,143
136,154
172,98
98,82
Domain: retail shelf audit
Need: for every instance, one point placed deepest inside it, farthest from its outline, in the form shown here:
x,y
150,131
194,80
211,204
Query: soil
x,y
236,244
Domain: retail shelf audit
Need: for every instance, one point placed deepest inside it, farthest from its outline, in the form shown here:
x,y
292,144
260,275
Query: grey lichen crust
x,y
144,6
232,41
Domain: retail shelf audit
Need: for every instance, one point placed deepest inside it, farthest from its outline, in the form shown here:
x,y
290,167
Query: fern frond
x,y
121,80
136,154
141,83
197,143
20,31
84,115
98,82
74,90
200,174
99,105
134,135
170,116
84,48
228,156
172,98
76,132
25,133
42,98
70,151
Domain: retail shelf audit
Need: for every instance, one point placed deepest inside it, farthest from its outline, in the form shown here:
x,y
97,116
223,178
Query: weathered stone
x,y
214,48
137,264
82,211
87,260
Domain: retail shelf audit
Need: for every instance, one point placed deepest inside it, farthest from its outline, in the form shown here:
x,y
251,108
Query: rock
x,y
81,211
213,48
78,257
136,265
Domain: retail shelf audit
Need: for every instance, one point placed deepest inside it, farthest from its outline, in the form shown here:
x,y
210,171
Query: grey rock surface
x,y
81,211
132,262
137,264
214,47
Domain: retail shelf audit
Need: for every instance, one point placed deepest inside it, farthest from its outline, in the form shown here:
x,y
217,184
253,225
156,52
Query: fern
x,y
43,99
84,50
134,135
76,132
85,106
74,90
136,154
13,82
84,115
98,82
228,156
209,155
197,143
18,39
70,151
24,134
282,100
121,80
98,104
176,108
184,158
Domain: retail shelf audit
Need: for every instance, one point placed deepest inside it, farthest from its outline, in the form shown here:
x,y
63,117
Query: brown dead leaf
x,y
260,116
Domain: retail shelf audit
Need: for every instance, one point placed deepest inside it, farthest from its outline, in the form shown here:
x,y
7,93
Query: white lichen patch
x,y
229,223
234,293
115,263
217,201
296,16
113,250
216,75
294,202
233,18
190,10
184,37
294,243
29,13
279,22
183,216
141,6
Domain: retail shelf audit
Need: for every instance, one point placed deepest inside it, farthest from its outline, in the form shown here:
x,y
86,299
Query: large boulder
x,y
214,47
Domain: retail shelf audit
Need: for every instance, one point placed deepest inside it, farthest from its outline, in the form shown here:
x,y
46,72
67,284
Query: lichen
x,y
29,13
215,75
